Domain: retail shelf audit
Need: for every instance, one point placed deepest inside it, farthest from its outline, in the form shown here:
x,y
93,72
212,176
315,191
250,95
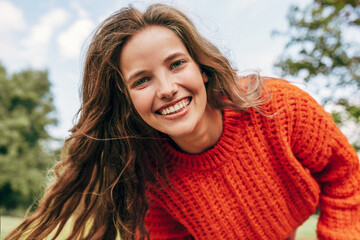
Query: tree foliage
x,y
26,110
324,44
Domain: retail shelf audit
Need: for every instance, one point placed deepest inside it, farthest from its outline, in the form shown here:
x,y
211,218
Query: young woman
x,y
172,144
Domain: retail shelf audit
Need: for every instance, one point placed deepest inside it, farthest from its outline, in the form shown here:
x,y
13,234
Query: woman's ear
x,y
204,77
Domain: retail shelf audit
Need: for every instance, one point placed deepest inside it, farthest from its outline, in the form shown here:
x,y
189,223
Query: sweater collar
x,y
213,157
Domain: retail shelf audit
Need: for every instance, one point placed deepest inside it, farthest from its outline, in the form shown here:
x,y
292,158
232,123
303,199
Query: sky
x,y
53,35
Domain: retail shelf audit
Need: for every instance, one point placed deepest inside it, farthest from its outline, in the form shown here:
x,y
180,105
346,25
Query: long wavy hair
x,y
112,153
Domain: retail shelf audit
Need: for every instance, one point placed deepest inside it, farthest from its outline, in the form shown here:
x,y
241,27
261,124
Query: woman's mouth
x,y
177,107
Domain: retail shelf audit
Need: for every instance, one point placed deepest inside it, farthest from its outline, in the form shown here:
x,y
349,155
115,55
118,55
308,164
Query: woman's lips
x,y
175,108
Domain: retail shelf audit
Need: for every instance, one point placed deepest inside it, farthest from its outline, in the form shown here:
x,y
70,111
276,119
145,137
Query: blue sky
x,y
53,35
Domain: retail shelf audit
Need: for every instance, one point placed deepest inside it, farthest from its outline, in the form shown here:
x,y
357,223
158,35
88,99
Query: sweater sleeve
x,y
320,146
161,225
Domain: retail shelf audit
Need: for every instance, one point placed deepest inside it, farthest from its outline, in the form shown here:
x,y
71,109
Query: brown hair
x,y
101,180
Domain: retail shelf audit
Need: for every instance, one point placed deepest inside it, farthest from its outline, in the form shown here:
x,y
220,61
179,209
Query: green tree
x,y
26,110
323,46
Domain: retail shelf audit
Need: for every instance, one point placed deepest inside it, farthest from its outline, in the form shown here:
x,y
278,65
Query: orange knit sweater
x,y
265,176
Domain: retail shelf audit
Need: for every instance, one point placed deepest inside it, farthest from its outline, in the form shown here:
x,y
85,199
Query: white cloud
x,y
233,7
12,24
41,33
36,44
81,12
8,51
71,40
11,17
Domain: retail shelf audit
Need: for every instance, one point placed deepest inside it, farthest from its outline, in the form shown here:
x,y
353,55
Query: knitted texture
x,y
265,176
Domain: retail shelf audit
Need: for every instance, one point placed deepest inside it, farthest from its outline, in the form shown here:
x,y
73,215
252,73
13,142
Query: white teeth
x,y
175,108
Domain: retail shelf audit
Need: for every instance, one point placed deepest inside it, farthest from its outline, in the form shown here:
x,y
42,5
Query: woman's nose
x,y
167,87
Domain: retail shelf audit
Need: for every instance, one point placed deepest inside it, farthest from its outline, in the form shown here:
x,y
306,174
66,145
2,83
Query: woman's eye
x,y
176,64
141,81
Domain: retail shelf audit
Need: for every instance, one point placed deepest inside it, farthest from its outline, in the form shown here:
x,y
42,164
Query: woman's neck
x,y
206,135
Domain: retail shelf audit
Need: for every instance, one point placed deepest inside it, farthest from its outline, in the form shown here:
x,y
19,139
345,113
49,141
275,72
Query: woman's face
x,y
166,86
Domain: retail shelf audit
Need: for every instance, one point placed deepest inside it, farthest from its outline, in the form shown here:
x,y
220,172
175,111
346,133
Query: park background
x,y
42,50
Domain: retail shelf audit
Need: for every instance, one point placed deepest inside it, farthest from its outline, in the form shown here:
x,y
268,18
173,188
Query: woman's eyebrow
x,y
136,75
167,59
173,55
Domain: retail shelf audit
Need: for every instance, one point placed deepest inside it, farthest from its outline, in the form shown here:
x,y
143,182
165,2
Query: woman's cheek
x,y
142,100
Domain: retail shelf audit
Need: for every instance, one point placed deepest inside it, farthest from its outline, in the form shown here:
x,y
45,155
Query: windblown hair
x,y
111,154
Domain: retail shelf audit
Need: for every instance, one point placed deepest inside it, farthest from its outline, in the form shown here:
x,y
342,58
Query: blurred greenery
x,y
322,44
26,110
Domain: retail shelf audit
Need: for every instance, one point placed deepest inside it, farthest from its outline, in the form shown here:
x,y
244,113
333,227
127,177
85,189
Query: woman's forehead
x,y
152,36
153,45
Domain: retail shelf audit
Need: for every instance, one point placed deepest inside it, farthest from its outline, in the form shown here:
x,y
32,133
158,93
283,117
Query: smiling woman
x,y
172,144
167,89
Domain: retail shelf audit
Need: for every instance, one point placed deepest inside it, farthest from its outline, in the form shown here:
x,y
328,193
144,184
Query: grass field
x,y
7,224
305,232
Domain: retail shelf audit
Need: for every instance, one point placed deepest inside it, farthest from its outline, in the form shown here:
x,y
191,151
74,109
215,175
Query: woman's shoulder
x,y
288,100
281,90
279,85
275,89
